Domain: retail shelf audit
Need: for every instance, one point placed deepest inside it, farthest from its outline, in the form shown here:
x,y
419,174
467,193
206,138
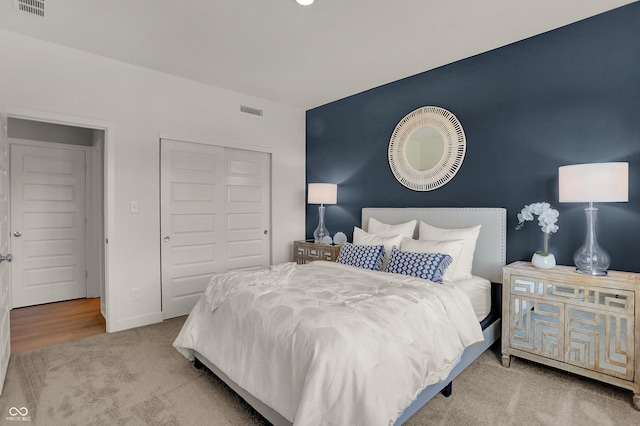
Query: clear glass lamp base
x,y
591,259
321,231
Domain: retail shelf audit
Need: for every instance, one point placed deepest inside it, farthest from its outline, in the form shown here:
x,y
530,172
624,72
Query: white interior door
x,y
248,209
214,217
48,220
5,270
192,222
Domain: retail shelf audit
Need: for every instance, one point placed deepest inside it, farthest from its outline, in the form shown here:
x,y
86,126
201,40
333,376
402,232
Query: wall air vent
x,y
251,110
35,7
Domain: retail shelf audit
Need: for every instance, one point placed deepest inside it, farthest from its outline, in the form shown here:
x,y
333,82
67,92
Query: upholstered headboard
x,y
490,254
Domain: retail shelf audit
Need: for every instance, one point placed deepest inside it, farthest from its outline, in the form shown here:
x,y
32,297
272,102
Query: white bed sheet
x,y
478,290
372,342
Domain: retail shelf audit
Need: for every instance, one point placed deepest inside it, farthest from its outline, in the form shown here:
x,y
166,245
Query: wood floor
x,y
45,325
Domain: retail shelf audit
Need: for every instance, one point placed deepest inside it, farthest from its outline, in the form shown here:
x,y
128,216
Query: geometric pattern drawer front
x,y
545,290
611,300
621,301
313,253
601,342
527,286
306,251
537,326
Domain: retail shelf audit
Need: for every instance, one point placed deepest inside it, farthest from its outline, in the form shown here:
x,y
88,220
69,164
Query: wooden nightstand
x,y
308,251
575,322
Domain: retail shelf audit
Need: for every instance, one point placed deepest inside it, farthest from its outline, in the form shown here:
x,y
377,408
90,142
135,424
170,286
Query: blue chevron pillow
x,y
368,257
428,266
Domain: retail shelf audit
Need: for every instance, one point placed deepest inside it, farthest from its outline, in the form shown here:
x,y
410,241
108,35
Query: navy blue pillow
x,y
429,266
367,257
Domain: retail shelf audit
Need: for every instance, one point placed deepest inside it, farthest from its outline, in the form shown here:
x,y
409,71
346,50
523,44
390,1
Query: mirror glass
x,y
424,149
427,148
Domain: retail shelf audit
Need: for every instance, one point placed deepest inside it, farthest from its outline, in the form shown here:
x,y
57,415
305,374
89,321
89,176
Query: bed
x,y
286,390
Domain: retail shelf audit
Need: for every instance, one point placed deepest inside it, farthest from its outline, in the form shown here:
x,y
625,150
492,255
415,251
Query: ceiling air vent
x,y
35,7
251,110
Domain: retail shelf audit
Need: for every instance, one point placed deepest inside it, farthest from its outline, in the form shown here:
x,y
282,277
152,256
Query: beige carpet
x,y
135,377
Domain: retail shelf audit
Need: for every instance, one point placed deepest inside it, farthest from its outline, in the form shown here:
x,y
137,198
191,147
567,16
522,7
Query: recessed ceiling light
x,y
305,2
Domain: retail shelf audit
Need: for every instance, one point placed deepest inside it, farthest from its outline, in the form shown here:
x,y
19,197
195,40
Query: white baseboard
x,y
140,321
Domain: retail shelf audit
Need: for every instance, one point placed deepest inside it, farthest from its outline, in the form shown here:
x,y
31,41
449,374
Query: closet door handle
x,y
8,258
17,234
166,239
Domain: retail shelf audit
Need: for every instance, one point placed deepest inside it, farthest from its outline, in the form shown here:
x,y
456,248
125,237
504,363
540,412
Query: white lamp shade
x,y
323,193
596,182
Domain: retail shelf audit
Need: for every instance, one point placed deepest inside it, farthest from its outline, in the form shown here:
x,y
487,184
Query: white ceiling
x,y
302,56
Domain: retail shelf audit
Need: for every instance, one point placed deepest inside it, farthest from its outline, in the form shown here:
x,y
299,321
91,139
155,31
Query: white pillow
x,y
363,238
453,248
405,229
470,237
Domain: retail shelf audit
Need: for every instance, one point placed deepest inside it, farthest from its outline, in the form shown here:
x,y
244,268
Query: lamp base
x,y
593,273
591,259
321,231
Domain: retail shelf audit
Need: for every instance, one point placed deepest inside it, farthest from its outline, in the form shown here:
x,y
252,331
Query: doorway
x,y
57,220
35,327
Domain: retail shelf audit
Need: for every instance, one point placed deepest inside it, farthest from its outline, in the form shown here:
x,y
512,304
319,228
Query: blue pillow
x,y
367,257
428,266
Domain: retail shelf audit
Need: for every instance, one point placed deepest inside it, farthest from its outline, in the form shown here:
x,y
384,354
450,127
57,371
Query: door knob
x,y
17,234
166,239
8,258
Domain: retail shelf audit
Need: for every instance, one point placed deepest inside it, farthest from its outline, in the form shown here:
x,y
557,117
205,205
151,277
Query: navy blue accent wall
x,y
568,96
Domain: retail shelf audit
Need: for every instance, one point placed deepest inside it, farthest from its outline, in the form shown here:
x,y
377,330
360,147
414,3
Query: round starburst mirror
x,y
427,148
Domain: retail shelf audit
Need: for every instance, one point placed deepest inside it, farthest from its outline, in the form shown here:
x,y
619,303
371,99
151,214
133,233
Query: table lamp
x,y
322,193
593,183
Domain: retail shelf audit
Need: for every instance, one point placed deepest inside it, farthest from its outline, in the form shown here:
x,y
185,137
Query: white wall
x,y
48,132
142,105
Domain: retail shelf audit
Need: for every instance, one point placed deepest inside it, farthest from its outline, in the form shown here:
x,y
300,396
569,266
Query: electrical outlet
x,y
134,207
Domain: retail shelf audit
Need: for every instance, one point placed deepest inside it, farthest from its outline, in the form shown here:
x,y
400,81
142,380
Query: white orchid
x,y
547,218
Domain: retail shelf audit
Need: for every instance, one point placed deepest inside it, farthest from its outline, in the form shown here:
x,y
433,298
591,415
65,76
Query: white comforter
x,y
329,344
